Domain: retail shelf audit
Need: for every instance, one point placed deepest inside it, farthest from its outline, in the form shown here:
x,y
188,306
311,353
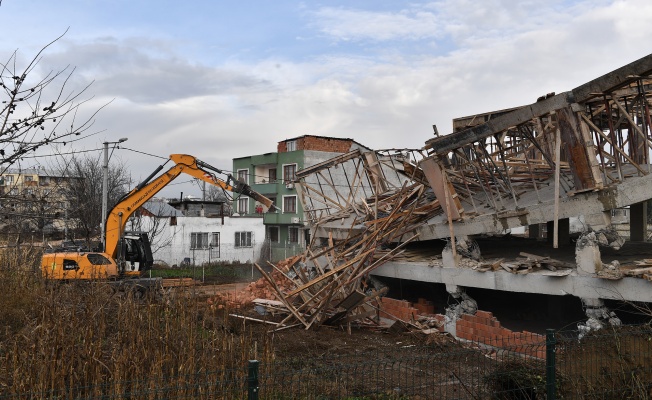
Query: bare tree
x,y
84,192
154,221
37,111
215,193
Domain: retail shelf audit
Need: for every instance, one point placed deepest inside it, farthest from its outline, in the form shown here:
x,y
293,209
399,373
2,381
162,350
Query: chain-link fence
x,y
613,363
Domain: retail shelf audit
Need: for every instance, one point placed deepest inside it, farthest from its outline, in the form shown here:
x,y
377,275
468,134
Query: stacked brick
x,y
421,313
485,328
397,309
482,327
259,289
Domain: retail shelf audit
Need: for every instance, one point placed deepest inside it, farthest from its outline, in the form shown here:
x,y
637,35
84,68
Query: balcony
x,y
265,187
281,219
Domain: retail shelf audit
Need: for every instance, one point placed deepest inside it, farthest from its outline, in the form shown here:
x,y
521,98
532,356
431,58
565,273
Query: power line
x,y
61,154
142,152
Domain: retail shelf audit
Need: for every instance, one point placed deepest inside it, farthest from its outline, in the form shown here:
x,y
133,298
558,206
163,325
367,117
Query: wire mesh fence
x,y
610,363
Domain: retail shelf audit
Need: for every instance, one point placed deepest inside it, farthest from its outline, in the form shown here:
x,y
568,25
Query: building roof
x,y
35,171
159,208
323,137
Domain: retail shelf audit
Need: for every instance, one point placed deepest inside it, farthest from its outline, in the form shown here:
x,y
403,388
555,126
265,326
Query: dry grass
x,y
83,339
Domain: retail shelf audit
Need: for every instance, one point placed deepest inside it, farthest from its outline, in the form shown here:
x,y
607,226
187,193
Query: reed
x,y
83,339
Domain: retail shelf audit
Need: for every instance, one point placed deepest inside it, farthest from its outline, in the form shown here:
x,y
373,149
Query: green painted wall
x,y
281,249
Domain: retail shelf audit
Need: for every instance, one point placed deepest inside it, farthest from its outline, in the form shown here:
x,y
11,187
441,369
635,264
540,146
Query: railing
x,y
612,363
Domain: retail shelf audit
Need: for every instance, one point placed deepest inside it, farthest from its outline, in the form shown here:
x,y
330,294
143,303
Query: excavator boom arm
x,y
119,215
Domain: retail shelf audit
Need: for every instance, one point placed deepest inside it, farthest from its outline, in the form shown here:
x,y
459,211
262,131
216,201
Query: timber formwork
x,y
569,155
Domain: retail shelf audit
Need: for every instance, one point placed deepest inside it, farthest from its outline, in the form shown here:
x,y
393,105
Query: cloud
x,y
462,21
350,24
144,73
503,54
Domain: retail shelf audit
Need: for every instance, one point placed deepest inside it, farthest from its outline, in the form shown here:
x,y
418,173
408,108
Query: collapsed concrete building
x,y
577,155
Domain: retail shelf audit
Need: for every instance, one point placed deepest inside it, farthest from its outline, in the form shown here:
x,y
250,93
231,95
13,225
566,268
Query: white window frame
x,y
285,180
297,230
203,239
248,237
246,210
275,175
214,244
296,207
238,175
291,145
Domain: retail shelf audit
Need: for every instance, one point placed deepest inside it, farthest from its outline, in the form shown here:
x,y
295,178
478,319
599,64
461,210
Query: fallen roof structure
x,y
580,153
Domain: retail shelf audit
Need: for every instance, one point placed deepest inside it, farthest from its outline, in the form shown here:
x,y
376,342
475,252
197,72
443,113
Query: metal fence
x,y
608,364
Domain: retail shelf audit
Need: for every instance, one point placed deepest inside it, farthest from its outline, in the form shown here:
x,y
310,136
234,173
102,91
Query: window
x,y
9,179
215,239
289,204
291,145
28,178
272,175
69,265
198,240
243,239
243,175
215,245
272,234
243,205
289,173
98,259
293,235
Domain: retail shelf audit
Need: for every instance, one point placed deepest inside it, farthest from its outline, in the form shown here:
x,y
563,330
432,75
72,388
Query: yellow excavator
x,y
128,254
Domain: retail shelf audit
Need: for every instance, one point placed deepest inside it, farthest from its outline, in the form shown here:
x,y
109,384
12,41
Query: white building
x,y
198,240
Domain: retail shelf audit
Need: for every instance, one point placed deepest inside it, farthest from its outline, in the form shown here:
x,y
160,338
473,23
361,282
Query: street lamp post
x,y
105,187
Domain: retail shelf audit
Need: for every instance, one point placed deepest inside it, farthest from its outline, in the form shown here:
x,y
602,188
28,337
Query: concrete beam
x,y
632,191
627,289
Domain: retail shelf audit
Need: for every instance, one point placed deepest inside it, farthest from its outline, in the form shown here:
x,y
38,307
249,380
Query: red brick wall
x,y
482,327
319,144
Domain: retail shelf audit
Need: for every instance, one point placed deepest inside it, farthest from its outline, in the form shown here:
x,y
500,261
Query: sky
x,y
225,79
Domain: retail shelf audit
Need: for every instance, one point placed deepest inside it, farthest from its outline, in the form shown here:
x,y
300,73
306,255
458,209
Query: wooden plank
x,y
352,300
435,176
280,294
330,273
356,317
638,271
555,231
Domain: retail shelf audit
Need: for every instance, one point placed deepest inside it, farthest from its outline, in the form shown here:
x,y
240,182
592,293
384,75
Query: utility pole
x,y
105,192
105,188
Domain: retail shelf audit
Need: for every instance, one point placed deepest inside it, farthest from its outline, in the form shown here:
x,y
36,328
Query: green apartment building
x,y
273,175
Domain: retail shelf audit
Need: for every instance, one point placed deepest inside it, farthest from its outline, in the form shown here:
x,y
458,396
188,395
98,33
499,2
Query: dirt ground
x,y
326,341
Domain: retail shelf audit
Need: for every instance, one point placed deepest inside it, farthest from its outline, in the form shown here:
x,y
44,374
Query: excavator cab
x,y
134,254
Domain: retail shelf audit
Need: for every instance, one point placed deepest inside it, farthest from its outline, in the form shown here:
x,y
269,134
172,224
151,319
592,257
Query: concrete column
x,y
465,305
638,222
587,255
598,315
564,231
447,259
